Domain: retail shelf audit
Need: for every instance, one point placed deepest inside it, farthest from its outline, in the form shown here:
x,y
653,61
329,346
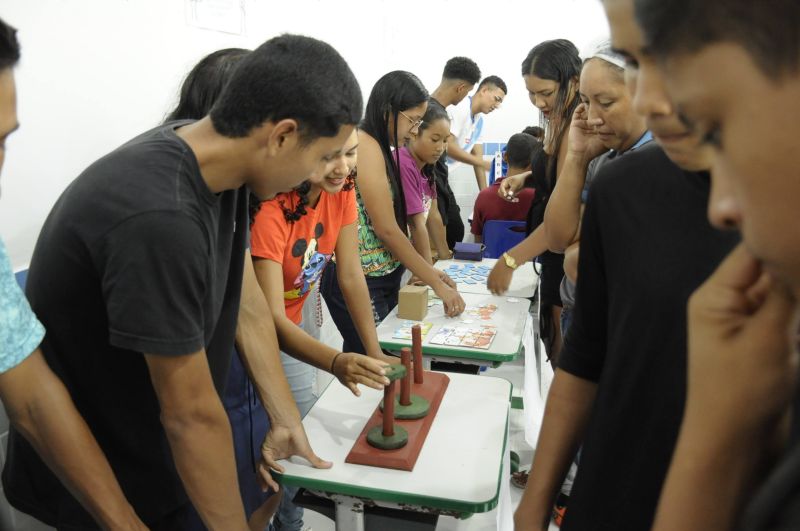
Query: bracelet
x,y
333,362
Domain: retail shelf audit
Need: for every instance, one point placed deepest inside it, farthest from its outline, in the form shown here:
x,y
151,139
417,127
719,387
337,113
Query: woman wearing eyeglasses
x,y
394,111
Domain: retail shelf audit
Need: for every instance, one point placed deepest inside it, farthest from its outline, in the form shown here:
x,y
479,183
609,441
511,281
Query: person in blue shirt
x,y
36,401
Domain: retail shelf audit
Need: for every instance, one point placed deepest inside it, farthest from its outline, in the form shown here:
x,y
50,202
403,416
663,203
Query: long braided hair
x,y
293,213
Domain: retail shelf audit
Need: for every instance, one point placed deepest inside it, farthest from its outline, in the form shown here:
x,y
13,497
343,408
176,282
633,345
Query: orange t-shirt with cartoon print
x,y
303,248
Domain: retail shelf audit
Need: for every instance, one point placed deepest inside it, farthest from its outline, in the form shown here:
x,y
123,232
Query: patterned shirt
x,y
20,331
376,259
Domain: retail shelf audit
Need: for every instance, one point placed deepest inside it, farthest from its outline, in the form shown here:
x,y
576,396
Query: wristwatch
x,y
510,262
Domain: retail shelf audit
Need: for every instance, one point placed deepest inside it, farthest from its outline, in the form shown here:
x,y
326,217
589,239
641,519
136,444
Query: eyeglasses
x,y
498,100
414,123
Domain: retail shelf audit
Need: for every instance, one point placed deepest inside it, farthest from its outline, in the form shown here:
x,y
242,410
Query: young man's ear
x,y
277,135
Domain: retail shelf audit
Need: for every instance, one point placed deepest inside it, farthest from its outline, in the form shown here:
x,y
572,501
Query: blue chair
x,y
22,277
500,236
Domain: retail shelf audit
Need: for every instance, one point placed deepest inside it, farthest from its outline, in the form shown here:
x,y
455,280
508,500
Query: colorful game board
x,y
465,336
468,273
404,332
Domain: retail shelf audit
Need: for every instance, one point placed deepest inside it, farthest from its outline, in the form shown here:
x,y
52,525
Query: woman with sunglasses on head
x,y
394,112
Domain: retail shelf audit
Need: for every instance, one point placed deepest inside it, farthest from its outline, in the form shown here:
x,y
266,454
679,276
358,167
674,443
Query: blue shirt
x,y
20,331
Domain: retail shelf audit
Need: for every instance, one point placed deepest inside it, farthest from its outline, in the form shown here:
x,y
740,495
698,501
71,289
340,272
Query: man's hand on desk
x,y
283,442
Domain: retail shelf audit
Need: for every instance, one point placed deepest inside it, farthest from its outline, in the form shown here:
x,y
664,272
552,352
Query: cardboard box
x,y
412,303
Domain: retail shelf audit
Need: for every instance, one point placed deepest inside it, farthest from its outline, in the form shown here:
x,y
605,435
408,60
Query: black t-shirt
x,y
646,245
137,256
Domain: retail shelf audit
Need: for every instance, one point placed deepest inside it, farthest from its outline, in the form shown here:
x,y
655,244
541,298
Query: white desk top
x,y
459,467
523,283
509,320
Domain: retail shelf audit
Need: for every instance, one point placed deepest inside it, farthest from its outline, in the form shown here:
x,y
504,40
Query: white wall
x,y
96,72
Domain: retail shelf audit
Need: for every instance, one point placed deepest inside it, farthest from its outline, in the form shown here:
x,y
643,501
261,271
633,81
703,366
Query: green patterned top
x,y
376,259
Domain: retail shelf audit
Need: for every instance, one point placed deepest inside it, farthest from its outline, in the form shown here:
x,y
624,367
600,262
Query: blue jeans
x,y
383,292
249,424
301,377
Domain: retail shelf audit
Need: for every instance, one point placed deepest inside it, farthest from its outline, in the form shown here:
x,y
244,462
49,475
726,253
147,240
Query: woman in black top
x,y
551,72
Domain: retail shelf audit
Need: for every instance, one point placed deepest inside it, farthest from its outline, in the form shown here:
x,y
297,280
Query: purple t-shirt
x,y
417,190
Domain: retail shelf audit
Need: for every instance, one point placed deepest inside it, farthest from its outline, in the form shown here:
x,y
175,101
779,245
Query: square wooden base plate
x,y
362,453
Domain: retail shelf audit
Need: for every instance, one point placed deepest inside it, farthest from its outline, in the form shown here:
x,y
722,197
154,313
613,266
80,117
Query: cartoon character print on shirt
x,y
311,265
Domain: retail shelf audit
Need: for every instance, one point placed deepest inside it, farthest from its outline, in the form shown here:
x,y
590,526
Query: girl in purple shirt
x,y
416,171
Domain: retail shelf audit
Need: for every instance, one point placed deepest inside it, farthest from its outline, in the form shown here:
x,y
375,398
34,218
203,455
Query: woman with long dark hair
x,y
394,112
551,72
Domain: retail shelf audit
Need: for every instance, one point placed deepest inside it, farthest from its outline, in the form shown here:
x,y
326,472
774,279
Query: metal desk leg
x,y
349,513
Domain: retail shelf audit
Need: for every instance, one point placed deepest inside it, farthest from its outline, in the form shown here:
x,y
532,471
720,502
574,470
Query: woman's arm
x,y
532,246
373,185
350,368
355,291
437,231
419,235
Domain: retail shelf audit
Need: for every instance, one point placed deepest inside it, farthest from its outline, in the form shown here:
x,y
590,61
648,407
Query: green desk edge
x,y
432,350
464,509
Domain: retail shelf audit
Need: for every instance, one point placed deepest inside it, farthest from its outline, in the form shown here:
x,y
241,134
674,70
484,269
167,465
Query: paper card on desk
x,y
483,312
404,332
462,336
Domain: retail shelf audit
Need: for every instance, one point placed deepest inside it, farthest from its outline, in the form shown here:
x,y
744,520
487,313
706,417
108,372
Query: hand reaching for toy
x,y
352,368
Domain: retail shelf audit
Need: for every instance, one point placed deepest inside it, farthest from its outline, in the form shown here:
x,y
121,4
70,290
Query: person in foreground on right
x,y
742,322
619,388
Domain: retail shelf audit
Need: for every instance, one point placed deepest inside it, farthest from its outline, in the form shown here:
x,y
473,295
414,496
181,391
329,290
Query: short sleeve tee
x,y
418,190
304,247
646,246
466,128
138,256
20,331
